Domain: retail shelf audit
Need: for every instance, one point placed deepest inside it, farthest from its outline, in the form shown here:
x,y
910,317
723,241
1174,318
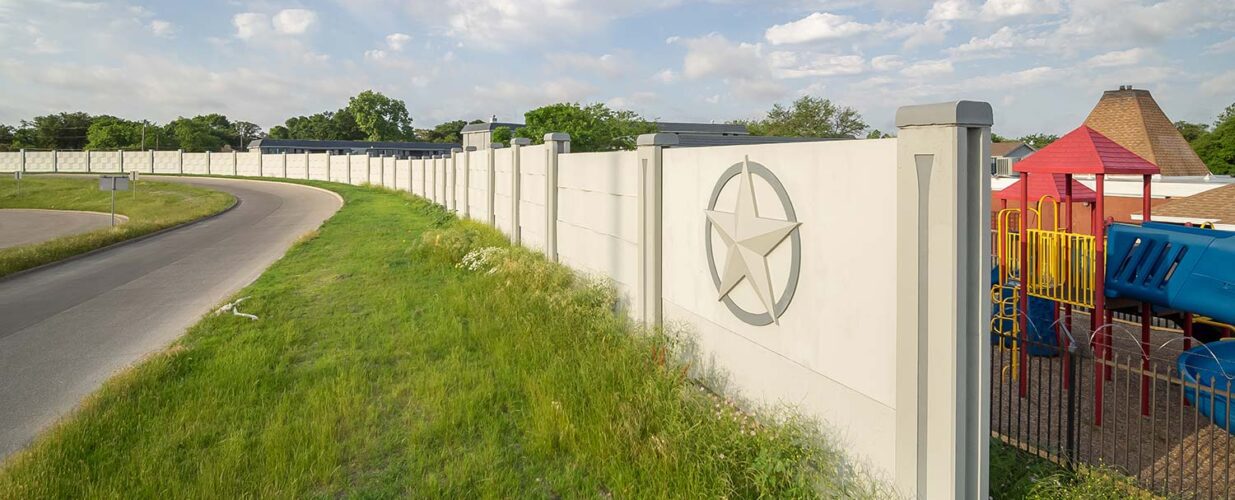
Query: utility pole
x,y
143,135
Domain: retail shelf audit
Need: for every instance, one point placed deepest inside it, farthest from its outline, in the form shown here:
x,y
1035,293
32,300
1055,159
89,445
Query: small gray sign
x,y
17,175
114,183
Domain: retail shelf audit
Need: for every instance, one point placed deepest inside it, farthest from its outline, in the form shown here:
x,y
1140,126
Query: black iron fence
x,y
1130,410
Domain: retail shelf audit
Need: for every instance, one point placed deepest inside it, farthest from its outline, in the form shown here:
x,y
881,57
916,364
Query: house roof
x,y
702,128
1216,204
1085,151
699,140
1054,185
315,144
487,126
1003,148
1132,118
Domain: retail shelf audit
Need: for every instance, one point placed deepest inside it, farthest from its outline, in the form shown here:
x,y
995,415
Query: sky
x,y
1042,64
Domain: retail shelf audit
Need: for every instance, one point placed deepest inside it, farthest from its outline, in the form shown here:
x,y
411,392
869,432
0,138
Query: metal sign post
x,y
113,183
17,178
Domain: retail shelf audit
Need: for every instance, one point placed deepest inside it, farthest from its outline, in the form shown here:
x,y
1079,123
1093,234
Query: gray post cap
x,y
557,136
660,139
456,150
520,141
496,145
958,113
470,148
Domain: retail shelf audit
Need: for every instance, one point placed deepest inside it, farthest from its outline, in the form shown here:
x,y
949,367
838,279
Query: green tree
x,y
6,137
55,131
1038,141
502,135
329,125
878,134
1191,131
195,134
245,132
809,116
381,118
449,132
1217,148
594,127
998,138
109,132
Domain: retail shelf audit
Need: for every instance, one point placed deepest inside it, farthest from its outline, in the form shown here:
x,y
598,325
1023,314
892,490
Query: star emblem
x,y
749,239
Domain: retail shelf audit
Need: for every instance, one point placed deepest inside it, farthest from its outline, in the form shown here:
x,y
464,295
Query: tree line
x,y
1214,144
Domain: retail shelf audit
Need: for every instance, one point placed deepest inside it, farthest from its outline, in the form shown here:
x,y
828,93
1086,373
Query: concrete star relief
x,y
749,238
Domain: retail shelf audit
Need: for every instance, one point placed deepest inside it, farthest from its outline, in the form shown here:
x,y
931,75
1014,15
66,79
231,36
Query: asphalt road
x,y
66,328
21,226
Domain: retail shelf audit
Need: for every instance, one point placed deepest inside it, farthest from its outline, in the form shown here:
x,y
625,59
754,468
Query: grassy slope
x,y
380,367
156,206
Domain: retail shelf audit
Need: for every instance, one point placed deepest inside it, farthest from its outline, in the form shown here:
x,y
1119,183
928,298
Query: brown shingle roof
x,y
1003,148
1218,204
1132,118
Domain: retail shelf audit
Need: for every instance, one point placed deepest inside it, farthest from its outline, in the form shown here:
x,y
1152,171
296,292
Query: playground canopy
x,y
1085,151
1054,185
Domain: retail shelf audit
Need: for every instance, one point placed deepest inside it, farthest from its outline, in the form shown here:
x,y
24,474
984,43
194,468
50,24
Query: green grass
x,y
386,364
1018,475
157,205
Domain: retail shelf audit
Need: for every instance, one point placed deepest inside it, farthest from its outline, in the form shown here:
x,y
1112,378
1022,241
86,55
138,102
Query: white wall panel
x,y
248,164
195,163
10,161
167,162
105,161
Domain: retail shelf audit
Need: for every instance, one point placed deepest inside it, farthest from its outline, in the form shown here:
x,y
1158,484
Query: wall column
x,y
455,155
308,175
87,161
559,143
284,159
180,161
491,182
55,160
151,160
120,152
23,160
208,162
943,307
650,158
516,186
467,181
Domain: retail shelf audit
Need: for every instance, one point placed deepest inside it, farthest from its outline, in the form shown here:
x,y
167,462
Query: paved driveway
x,y
65,329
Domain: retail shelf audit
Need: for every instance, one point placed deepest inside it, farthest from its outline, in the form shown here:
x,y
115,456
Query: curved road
x,y
66,328
24,226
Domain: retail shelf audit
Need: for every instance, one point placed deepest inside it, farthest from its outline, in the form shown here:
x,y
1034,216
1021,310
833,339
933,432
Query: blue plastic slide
x,y
1182,268
1212,367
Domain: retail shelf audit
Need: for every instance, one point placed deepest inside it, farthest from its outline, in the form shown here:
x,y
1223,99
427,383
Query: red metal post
x,y
1099,299
1023,314
1065,340
1146,311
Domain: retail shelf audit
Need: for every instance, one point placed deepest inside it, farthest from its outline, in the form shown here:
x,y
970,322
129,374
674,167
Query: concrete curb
x,y
118,216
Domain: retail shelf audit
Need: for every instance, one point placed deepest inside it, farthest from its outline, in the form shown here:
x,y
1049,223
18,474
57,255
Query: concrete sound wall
x,y
597,220
845,278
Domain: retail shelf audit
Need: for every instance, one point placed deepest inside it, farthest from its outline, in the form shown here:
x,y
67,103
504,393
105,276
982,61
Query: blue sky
x,y
1041,63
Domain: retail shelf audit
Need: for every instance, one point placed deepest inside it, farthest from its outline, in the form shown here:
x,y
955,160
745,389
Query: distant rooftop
x,y
489,126
316,144
702,128
1132,119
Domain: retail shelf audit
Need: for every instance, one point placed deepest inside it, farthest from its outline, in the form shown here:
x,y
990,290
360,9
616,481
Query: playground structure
x,y
1157,269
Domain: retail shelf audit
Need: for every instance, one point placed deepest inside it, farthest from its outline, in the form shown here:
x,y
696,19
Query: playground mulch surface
x,y
1174,449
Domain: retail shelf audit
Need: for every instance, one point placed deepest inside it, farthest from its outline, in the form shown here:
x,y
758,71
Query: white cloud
x,y
162,28
665,76
1118,58
887,62
815,27
608,65
795,65
951,10
1221,85
505,23
999,44
294,21
999,9
929,68
1222,47
250,25
714,55
396,41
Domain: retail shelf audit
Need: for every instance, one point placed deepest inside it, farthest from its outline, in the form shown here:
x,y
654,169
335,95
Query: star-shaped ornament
x,y
749,238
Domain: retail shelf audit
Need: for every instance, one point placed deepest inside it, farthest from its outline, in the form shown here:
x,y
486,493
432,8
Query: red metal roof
x,y
1085,151
1054,185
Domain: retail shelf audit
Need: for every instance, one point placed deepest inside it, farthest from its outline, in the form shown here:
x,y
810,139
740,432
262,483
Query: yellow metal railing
x,y
1061,267
1005,326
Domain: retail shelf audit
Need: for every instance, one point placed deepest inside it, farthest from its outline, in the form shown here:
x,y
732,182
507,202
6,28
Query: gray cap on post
x,y
470,148
660,139
456,150
972,113
496,145
520,141
557,136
